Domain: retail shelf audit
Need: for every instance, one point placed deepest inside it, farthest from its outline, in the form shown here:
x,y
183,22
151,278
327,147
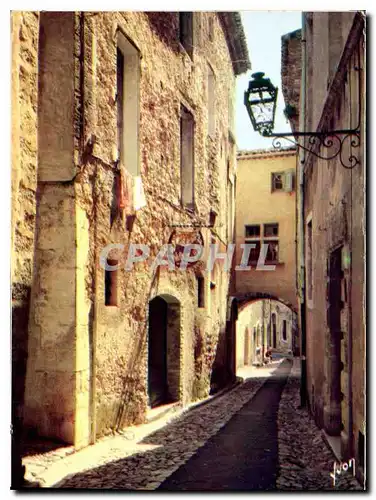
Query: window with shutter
x,y
289,184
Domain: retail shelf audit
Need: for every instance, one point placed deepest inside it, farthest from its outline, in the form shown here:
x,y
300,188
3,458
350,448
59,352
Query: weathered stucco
x,y
257,204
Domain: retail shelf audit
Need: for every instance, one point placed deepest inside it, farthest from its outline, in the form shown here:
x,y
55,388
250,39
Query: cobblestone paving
x,y
305,461
243,455
174,444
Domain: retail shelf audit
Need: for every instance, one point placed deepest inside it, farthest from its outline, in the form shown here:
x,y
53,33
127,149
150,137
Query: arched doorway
x,y
164,350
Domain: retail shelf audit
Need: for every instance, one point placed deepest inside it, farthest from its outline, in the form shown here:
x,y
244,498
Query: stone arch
x,y
244,299
273,312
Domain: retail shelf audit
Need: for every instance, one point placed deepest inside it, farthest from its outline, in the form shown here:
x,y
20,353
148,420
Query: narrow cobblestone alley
x,y
254,437
244,454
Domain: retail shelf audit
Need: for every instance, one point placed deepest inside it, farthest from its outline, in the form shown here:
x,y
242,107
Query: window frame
x,y
260,240
284,176
187,116
128,135
274,189
252,235
284,331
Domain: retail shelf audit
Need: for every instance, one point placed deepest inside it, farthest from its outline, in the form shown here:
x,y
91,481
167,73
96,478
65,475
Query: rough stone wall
x,y
24,26
108,344
291,68
334,198
265,206
24,36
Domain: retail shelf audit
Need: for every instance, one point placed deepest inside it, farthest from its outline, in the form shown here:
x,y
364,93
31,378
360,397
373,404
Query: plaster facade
x,y
257,204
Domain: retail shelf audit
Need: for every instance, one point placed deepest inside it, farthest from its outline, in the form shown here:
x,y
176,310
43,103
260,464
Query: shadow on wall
x,y
20,318
165,25
223,372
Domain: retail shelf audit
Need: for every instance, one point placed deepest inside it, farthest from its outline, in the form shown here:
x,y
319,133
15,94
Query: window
x,y
230,210
277,182
283,181
284,330
270,234
110,285
186,31
272,252
274,330
270,230
252,231
120,100
186,158
201,291
309,260
127,101
211,102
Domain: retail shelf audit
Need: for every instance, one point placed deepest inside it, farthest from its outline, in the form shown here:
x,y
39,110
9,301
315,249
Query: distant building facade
x,y
331,282
119,138
265,215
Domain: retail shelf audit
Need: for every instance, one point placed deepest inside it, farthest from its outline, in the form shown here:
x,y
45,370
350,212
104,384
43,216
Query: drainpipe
x,y
300,228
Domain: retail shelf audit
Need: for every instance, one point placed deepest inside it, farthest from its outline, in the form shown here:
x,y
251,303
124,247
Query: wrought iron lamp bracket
x,y
336,143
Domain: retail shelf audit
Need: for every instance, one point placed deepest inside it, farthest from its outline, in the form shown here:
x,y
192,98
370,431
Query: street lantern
x,y
260,100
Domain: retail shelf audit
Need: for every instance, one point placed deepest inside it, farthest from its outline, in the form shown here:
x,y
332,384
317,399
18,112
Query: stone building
x,y
265,215
123,134
331,226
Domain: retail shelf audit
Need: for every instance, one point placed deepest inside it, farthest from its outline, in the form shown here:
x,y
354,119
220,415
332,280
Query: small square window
x,y
252,231
270,230
277,181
